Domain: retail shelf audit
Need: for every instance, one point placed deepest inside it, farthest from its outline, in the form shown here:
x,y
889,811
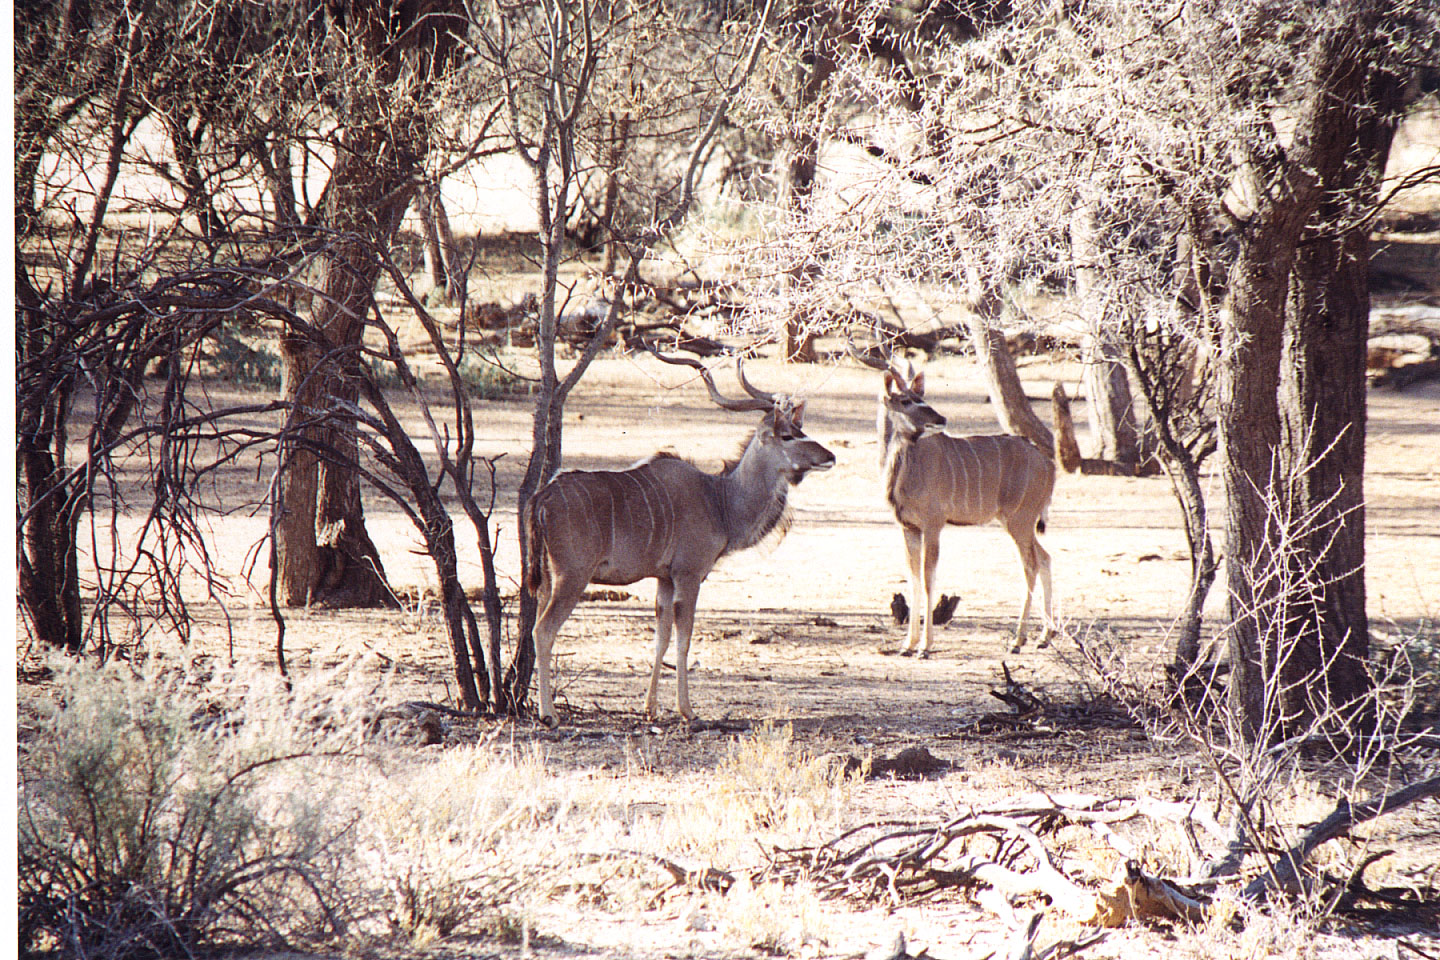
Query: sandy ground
x,y
800,631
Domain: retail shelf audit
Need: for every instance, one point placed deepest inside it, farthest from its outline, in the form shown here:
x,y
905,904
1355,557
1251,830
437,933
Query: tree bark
x,y
442,256
547,423
1111,408
1249,453
326,555
49,586
1293,475
1007,396
1323,397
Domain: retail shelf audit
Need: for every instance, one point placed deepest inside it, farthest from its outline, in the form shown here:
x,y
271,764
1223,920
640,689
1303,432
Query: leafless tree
x,y
97,308
557,64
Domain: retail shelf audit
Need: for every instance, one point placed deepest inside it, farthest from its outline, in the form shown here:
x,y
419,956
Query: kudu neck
x,y
883,426
753,494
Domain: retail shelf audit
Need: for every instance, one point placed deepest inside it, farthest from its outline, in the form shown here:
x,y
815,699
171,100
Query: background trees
x,y
1191,168
1195,183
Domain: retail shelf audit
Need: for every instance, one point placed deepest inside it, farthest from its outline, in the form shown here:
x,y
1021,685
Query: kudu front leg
x,y
930,558
686,597
664,625
918,603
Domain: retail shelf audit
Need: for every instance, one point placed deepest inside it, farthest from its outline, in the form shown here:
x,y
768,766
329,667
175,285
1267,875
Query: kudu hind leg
x,y
1042,561
664,625
1035,562
687,593
556,603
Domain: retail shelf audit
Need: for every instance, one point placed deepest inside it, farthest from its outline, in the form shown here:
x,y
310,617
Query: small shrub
x,y
488,381
148,828
239,362
773,919
458,840
768,788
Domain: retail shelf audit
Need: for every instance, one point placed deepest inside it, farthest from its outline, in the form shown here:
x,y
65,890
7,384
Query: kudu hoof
x,y
923,655
552,721
907,653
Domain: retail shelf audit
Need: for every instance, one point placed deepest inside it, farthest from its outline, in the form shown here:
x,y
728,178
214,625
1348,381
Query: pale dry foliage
x,y
971,165
498,840
299,818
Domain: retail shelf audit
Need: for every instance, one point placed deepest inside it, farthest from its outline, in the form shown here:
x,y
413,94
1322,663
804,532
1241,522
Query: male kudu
x,y
662,518
933,479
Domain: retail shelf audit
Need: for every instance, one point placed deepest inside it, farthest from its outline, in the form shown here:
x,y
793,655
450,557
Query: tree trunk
x,y
547,421
1323,450
1323,411
814,70
326,556
442,256
49,586
280,181
1111,409
799,185
1007,396
1249,453
1294,560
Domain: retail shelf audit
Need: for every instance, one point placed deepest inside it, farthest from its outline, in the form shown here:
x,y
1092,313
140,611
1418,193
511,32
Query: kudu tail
x,y
534,546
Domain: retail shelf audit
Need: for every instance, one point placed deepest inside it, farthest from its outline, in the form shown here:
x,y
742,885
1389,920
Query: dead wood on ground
x,y
999,849
1000,857
1285,873
1033,715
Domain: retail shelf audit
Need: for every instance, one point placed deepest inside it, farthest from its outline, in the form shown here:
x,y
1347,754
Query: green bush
x,y
148,827
384,374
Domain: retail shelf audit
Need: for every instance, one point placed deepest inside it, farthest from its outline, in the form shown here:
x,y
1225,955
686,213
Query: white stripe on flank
x,y
974,495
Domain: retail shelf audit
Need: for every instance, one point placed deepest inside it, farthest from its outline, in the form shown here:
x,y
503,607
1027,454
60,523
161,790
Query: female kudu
x,y
933,479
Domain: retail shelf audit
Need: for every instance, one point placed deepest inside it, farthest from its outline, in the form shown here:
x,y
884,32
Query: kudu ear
x,y
797,414
890,380
917,383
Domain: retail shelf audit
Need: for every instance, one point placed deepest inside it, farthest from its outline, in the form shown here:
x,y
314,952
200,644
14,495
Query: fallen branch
x,y
1286,873
707,879
902,861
